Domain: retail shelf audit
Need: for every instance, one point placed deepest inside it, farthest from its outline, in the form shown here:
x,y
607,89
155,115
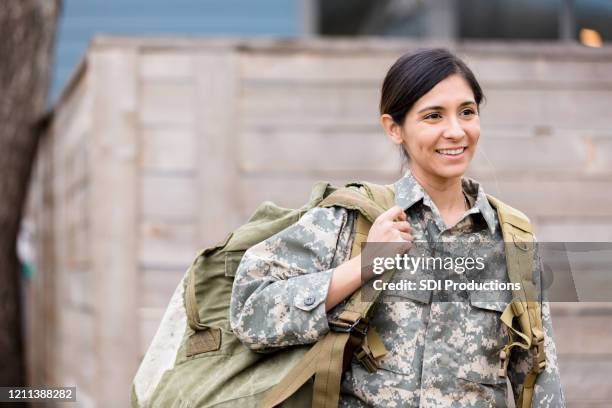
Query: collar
x,y
408,191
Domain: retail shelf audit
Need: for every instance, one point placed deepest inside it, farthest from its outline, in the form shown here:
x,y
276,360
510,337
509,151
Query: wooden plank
x,y
539,197
77,290
307,105
73,117
504,68
599,152
167,103
166,66
550,107
302,151
158,285
114,192
567,155
309,67
167,245
76,342
586,380
580,309
562,229
167,197
559,152
583,335
217,127
170,149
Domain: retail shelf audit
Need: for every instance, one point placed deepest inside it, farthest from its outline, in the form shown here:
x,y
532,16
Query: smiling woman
x,y
292,288
430,106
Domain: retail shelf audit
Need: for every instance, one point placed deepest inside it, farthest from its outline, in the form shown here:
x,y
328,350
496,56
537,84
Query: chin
x,y
451,171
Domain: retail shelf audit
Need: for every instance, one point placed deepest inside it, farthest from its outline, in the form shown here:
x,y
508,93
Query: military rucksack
x,y
195,360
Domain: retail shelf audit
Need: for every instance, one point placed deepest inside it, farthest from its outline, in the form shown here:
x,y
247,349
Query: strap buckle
x,y
504,358
360,326
365,357
539,359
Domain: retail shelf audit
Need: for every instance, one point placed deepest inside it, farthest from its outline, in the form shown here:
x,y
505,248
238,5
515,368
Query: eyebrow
x,y
442,107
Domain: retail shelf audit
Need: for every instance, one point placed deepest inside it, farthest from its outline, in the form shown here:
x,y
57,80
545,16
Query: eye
x,y
433,115
468,111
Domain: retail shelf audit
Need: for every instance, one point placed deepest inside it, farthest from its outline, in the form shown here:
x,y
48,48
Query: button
x,y
309,301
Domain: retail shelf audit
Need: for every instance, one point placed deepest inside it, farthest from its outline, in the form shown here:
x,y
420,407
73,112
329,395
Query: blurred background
x,y
137,132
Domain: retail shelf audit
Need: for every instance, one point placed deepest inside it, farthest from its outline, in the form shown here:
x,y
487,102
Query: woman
x,y
439,353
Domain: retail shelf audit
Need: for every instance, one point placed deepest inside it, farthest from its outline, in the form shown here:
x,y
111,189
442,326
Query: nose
x,y
454,129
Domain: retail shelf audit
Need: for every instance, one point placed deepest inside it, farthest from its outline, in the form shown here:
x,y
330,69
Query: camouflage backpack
x,y
195,360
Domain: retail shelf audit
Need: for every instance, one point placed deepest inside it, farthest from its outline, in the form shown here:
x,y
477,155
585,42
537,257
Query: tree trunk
x,y
27,29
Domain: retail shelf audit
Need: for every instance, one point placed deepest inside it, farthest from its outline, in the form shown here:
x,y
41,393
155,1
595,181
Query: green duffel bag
x,y
195,360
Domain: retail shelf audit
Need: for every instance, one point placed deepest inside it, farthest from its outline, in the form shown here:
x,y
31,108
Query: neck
x,y
446,193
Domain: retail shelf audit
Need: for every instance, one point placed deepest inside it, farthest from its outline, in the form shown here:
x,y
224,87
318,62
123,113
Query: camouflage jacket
x,y
440,353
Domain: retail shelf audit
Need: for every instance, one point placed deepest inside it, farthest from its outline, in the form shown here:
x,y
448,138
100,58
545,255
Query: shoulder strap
x,y
519,246
370,200
525,306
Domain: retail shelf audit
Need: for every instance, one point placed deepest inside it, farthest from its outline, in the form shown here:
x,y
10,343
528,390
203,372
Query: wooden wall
x,y
159,147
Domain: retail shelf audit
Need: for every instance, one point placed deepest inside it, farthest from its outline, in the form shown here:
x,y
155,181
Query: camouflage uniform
x,y
440,353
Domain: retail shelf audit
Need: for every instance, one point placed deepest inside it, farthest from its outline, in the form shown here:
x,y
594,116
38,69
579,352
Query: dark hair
x,y
415,74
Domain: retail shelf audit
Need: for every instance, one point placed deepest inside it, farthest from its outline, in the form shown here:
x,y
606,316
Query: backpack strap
x,y
369,200
349,334
525,306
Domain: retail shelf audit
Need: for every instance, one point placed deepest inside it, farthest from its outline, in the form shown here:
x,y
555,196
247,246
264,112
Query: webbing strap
x,y
322,361
191,306
525,307
526,395
352,199
376,200
204,338
326,391
383,195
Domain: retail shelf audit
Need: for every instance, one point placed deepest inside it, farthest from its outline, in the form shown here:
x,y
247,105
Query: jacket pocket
x,y
485,336
400,319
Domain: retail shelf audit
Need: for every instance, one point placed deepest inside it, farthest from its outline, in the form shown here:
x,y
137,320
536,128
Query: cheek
x,y
425,141
474,131
475,136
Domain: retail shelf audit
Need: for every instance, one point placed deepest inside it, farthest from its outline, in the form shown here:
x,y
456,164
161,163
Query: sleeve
x,y
548,392
279,292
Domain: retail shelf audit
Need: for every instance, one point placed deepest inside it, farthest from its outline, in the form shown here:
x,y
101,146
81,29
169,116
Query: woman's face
x,y
441,130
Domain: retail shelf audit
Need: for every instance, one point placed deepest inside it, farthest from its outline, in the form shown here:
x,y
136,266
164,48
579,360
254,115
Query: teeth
x,y
452,151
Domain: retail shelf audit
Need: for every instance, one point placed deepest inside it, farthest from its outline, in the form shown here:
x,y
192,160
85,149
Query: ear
x,y
392,129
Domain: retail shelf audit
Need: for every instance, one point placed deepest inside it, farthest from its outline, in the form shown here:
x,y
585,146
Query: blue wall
x,y
81,19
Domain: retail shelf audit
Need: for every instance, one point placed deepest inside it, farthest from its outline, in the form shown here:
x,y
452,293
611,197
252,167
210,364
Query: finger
x,y
405,236
402,226
393,213
402,215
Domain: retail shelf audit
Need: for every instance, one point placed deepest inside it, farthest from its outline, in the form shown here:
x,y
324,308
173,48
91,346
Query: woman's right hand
x,y
390,235
391,226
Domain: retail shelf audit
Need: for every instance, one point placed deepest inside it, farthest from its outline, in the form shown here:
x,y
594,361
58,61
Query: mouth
x,y
452,153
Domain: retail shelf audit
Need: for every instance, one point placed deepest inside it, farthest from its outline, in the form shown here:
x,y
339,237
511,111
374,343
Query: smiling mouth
x,y
452,152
